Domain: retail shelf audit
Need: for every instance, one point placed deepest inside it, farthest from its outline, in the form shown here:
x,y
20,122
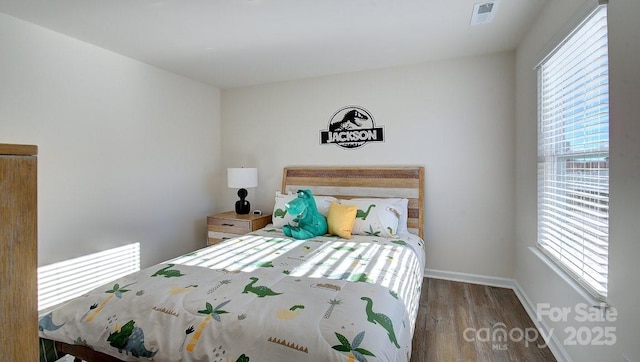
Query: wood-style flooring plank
x,y
469,322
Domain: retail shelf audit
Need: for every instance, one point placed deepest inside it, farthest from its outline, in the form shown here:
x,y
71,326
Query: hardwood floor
x,y
462,322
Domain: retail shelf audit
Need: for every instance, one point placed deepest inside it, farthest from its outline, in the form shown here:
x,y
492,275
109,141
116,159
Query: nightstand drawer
x,y
228,225
215,237
233,226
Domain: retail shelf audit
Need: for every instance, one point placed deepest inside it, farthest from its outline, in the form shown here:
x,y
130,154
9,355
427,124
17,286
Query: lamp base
x,y
243,206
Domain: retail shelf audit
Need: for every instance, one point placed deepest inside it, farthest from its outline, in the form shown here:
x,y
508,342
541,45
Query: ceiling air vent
x,y
484,12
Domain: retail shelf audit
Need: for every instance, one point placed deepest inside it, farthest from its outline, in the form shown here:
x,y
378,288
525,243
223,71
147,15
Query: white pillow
x,y
281,217
323,203
403,206
377,217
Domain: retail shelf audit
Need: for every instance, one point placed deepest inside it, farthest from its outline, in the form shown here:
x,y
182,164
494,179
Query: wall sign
x,y
351,127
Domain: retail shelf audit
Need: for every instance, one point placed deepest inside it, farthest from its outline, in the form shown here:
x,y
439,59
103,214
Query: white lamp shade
x,y
242,178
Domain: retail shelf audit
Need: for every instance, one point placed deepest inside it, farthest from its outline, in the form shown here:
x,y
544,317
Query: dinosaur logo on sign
x,y
351,127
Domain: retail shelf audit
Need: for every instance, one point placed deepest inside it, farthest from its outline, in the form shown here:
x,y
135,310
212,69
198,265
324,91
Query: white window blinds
x,y
573,154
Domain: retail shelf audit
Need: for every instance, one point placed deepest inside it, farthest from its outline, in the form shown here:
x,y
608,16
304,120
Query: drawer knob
x,y
227,224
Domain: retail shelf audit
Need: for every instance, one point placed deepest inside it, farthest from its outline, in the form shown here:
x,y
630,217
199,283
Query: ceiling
x,y
235,43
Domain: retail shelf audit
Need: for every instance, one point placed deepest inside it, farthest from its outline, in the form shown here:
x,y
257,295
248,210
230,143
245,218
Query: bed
x,y
266,297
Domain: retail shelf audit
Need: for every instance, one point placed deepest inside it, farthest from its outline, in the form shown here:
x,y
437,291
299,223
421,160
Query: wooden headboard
x,y
351,182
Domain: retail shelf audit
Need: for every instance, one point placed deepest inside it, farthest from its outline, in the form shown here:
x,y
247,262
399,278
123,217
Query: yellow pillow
x,y
340,219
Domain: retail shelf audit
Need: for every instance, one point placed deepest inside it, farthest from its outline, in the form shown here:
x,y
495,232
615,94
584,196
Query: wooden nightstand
x,y
229,224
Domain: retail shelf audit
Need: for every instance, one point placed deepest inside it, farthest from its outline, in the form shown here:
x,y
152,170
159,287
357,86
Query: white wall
x,y
539,282
454,117
127,152
624,45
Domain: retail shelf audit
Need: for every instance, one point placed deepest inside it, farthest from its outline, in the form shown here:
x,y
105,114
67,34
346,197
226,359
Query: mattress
x,y
257,297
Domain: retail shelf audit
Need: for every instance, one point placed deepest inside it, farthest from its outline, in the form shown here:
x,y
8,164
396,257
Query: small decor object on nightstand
x,y
242,178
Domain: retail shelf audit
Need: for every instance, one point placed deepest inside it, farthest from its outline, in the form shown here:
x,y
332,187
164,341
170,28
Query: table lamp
x,y
242,178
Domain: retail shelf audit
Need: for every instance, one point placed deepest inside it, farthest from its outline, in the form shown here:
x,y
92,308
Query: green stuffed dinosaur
x,y
310,221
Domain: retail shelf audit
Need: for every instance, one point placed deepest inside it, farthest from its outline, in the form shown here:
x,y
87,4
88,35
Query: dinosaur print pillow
x,y
402,205
280,217
375,217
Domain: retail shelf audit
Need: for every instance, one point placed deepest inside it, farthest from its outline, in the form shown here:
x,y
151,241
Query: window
x,y
573,154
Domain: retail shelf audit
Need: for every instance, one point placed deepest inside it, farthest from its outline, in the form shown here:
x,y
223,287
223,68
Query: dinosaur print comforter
x,y
257,297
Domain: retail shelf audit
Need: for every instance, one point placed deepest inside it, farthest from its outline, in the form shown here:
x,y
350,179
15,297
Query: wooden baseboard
x,y
554,344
